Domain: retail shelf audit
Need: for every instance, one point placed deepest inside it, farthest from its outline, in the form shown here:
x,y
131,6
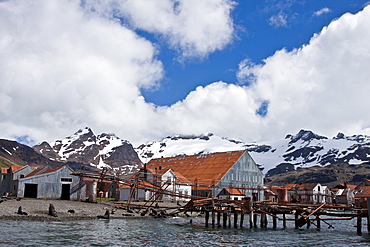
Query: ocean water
x,y
173,232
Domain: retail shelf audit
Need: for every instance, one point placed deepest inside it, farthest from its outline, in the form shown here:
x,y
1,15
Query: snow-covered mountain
x,y
305,149
186,145
104,150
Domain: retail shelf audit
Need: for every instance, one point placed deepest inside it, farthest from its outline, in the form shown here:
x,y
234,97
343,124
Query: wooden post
x,y
368,214
296,220
318,221
273,222
229,216
265,221
359,224
262,220
213,218
251,216
207,218
255,220
308,223
284,221
235,220
241,220
218,218
224,219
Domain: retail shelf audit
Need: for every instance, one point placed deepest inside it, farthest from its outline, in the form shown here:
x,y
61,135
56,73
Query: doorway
x,y
65,192
30,190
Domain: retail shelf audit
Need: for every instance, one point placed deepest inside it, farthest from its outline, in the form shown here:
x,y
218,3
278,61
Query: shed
x,y
56,183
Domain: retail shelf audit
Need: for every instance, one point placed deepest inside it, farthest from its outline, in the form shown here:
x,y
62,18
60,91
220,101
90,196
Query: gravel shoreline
x,y
38,209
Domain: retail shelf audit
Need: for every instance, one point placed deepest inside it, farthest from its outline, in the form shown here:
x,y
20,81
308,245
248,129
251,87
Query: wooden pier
x,y
234,214
244,213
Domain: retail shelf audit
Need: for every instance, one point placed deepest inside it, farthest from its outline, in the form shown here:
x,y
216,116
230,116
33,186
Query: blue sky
x,y
146,69
256,38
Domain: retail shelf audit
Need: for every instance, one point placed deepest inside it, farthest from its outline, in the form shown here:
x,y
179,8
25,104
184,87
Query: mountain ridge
x,y
304,149
301,150
103,150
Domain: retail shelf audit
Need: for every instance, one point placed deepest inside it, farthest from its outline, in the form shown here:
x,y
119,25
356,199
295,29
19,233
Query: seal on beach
x,y
105,216
20,211
52,211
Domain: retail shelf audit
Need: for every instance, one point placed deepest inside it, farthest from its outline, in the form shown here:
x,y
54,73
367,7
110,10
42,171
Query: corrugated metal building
x,y
234,169
57,183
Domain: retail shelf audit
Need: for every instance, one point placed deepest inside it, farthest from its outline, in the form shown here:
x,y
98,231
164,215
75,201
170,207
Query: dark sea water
x,y
173,232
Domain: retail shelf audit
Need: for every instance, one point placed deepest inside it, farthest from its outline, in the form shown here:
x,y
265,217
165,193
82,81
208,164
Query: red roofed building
x,y
231,194
10,177
51,183
210,173
309,193
150,181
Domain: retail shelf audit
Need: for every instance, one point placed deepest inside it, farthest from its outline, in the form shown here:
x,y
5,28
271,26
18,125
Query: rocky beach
x,y
38,209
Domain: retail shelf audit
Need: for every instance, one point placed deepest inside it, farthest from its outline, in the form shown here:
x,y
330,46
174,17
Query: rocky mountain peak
x,y
104,150
305,136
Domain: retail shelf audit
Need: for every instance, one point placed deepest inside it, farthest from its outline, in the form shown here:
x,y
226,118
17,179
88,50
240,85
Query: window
x,y
21,176
69,180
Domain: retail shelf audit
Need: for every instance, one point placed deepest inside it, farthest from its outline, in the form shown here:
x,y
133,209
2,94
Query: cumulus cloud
x,y
193,27
70,64
67,65
221,108
321,86
64,68
321,11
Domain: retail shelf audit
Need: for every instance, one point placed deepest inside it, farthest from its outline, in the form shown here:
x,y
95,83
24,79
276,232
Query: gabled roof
x,y
234,191
204,169
38,171
289,186
351,186
160,173
181,178
14,168
5,170
305,186
43,170
364,191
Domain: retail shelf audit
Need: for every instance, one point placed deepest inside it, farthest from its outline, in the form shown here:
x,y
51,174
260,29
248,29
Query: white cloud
x,y
322,86
66,64
279,20
64,69
321,11
221,108
194,27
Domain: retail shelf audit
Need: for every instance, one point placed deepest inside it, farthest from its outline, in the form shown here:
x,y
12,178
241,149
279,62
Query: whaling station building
x,y
208,174
204,175
51,183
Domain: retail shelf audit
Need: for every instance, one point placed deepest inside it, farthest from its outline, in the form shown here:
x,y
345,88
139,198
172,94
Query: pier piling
x,y
359,224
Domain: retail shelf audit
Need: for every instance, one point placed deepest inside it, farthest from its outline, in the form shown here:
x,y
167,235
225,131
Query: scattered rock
x,y
71,211
127,215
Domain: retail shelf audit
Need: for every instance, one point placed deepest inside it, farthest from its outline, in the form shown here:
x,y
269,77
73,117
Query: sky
x,y
146,69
